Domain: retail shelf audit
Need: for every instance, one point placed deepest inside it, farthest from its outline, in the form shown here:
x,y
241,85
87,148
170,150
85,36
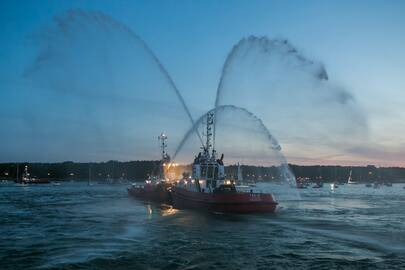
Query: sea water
x,y
76,226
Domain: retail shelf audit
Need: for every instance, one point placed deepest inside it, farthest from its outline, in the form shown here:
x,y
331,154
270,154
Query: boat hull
x,y
238,203
159,193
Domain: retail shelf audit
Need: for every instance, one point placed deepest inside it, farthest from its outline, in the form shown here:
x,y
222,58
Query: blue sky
x,y
360,43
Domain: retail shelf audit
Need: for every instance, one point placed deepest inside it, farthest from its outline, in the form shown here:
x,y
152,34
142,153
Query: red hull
x,y
155,193
242,203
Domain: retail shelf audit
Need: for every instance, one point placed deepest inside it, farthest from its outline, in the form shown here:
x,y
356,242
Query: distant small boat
x,y
318,185
334,186
22,184
301,185
89,183
369,185
350,179
28,179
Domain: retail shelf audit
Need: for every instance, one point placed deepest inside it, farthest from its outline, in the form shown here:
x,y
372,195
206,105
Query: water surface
x,y
76,226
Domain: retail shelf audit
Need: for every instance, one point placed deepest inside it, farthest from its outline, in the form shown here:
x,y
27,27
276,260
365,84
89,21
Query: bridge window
x,y
210,172
203,171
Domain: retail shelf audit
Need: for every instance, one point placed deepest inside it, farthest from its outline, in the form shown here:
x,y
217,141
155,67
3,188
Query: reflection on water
x,y
162,210
100,227
168,210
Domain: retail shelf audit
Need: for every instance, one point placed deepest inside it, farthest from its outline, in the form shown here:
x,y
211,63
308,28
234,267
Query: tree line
x,y
141,169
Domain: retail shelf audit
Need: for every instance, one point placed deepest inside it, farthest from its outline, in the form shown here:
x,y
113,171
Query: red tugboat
x,y
208,189
155,189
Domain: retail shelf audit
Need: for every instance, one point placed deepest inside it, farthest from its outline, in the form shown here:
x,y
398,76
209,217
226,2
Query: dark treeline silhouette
x,y
318,173
131,170
139,170
340,174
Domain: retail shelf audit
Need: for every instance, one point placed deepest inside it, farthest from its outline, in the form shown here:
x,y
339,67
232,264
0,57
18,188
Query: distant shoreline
x,y
141,169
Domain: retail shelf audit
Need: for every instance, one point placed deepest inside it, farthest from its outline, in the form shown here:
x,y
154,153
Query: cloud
x,y
379,155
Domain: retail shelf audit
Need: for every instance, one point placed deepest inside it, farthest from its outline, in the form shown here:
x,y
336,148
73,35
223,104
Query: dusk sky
x,y
358,43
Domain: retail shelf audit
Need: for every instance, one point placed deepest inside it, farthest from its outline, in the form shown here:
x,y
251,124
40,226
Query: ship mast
x,y
89,180
163,145
214,124
165,157
209,133
17,172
